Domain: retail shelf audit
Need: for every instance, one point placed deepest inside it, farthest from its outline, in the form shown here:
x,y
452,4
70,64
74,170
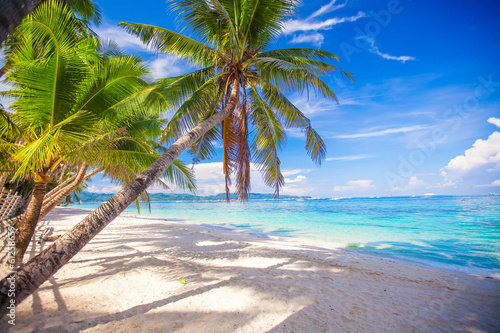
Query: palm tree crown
x,y
229,44
75,106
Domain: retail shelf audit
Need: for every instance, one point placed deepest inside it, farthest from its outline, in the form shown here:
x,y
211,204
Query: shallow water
x,y
459,233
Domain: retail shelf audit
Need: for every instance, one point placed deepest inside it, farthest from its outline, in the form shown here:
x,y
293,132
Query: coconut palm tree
x,y
121,159
66,97
234,37
12,12
239,80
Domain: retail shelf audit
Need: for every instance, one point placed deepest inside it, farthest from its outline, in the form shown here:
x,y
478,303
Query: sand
x,y
128,279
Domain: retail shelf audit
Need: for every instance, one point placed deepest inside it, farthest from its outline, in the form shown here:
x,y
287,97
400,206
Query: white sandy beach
x,y
127,279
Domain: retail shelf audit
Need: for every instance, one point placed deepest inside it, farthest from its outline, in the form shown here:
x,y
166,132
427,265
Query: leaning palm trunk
x,y
50,202
27,227
3,178
55,196
56,189
39,269
38,207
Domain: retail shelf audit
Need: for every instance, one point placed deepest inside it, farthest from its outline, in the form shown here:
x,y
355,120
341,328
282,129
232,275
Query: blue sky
x,y
422,116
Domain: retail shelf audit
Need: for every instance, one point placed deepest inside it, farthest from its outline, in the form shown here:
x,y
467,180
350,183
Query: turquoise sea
x,y
452,232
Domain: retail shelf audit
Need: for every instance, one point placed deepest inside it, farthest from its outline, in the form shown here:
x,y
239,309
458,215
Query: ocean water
x,y
451,232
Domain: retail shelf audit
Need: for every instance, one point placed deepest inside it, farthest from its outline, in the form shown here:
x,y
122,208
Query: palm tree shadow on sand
x,y
129,275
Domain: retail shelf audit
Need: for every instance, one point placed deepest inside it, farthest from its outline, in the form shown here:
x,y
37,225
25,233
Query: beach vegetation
x,y
241,81
76,108
13,12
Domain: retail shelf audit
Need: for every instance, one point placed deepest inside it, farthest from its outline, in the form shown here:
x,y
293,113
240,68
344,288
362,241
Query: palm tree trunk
x,y
3,178
56,189
49,201
52,193
27,227
39,269
59,196
12,12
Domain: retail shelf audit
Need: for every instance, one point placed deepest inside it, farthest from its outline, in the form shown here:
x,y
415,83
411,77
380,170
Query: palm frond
x,y
291,77
203,101
180,174
304,53
269,138
168,41
315,146
88,9
177,89
203,149
230,149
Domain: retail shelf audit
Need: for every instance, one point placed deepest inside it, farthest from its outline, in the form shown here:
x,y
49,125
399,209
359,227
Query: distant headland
x,y
155,197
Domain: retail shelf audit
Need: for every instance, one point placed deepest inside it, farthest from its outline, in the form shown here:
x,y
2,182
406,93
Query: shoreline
x,y
310,240
128,279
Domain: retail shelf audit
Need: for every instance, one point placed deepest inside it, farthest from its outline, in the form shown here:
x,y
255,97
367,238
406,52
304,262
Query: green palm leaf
x,y
171,42
231,38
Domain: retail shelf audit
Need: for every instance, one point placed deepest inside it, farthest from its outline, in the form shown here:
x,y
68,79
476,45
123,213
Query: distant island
x,y
100,197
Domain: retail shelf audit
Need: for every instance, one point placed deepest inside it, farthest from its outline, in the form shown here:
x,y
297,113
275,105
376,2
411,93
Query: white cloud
x,y
161,66
494,121
298,185
413,184
483,153
93,189
121,37
496,183
315,38
210,179
374,49
328,8
311,23
295,133
402,59
405,129
288,173
448,183
307,25
166,65
105,189
298,179
313,106
349,158
298,191
354,185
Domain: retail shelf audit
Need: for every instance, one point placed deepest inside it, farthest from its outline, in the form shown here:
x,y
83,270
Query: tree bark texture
x,y
39,269
60,195
3,178
12,12
50,196
27,226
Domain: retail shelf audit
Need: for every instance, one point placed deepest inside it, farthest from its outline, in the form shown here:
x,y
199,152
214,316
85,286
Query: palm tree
x,y
66,95
12,12
238,80
233,38
122,158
